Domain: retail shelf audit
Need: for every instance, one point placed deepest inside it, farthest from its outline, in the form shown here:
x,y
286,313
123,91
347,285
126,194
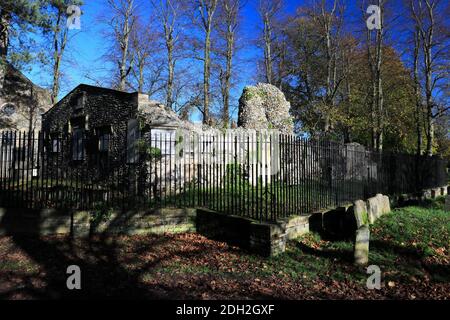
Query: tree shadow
x,y
330,254
104,273
412,257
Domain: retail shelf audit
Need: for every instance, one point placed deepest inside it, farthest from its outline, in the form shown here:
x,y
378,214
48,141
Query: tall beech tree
x,y
58,33
269,11
169,12
229,17
121,21
433,41
207,10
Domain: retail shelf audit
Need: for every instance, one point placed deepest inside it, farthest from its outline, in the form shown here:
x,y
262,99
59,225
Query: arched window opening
x,y
8,109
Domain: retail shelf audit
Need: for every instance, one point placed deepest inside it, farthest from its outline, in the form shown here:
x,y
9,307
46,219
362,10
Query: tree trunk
x,y
379,95
58,48
5,21
141,76
227,85
268,48
125,43
123,63
207,10
429,95
373,129
231,22
206,76
426,31
417,94
329,99
430,130
171,71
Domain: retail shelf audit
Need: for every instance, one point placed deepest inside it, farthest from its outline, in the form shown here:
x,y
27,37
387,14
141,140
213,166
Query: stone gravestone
x,y
360,212
373,209
362,245
447,203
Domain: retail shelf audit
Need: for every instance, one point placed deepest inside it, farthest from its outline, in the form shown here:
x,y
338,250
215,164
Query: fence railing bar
x,y
263,176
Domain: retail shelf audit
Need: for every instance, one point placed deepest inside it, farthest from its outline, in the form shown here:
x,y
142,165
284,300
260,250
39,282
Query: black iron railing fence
x,y
261,175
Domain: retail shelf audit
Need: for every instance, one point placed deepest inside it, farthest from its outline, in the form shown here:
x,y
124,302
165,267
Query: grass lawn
x,y
410,245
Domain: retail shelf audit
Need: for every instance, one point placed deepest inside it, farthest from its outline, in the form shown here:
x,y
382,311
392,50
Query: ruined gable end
x,y
21,101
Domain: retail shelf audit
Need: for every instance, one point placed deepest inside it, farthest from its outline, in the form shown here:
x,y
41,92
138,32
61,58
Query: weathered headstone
x,y
378,206
385,204
447,203
361,253
360,212
373,209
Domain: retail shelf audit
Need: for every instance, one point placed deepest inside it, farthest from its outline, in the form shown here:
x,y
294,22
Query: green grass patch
x,y
410,243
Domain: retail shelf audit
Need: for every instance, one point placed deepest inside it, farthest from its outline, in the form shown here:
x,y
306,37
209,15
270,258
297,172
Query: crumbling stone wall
x,y
264,106
21,101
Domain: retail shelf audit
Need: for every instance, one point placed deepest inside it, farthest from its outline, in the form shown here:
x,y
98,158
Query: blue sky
x,y
83,60
84,54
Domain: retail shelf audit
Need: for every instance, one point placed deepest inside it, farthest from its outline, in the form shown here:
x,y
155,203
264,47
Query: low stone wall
x,y
405,199
336,223
297,226
234,230
266,239
85,223
144,222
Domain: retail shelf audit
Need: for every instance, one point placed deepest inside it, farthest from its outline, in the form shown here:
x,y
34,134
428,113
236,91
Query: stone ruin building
x,y
21,101
264,106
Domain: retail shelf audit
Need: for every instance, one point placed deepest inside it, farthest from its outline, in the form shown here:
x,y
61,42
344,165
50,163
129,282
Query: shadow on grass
x,y
409,260
330,254
402,260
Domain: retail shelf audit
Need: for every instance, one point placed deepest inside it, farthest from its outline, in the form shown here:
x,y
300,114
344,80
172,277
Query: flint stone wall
x,y
263,107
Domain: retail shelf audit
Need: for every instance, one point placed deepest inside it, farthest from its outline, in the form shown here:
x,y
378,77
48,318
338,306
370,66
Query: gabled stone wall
x,y
21,101
90,108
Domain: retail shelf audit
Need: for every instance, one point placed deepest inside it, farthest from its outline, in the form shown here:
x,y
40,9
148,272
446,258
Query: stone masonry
x,y
263,107
21,101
